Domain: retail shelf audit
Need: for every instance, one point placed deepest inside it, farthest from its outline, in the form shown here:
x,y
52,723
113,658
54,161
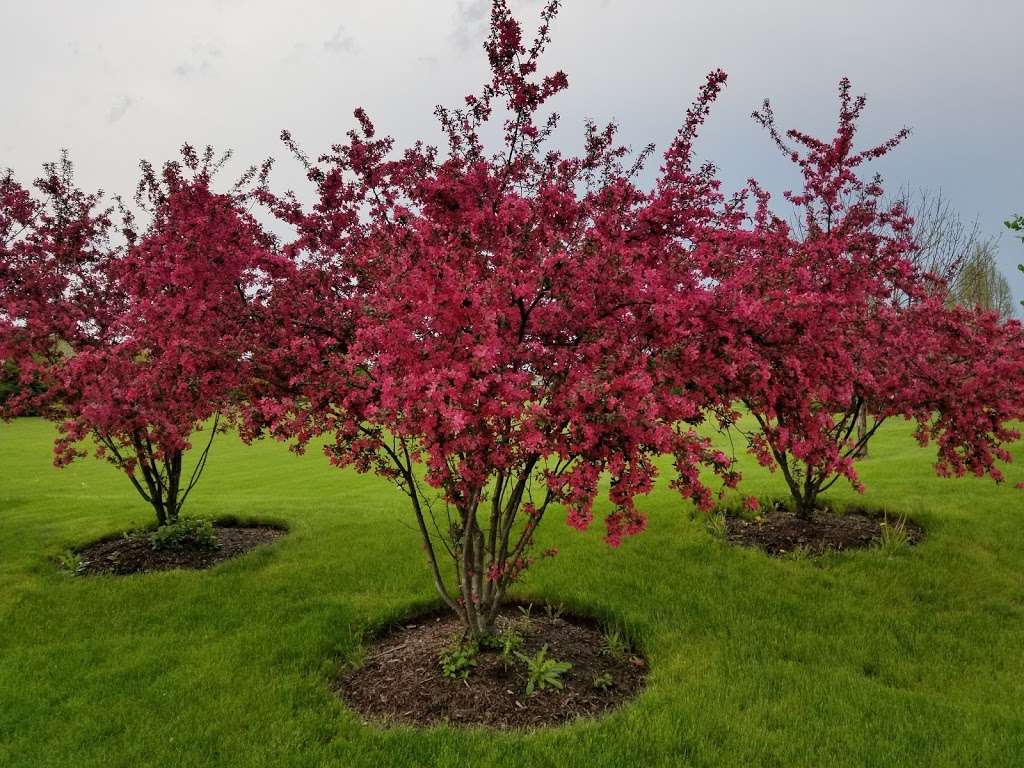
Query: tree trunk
x,y
161,516
862,431
806,504
472,565
173,464
807,497
486,559
165,489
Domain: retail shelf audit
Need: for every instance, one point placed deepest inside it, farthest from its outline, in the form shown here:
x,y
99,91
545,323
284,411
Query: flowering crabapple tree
x,y
507,324
831,323
53,247
142,343
17,212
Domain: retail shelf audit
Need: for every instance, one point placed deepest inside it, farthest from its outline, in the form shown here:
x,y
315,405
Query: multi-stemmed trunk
x,y
488,548
155,472
487,558
487,539
807,482
163,486
806,500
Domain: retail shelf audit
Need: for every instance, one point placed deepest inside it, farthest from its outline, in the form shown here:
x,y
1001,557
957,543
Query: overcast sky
x,y
117,81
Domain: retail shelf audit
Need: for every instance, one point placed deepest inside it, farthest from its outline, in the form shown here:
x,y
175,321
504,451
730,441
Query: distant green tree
x,y
981,284
1016,224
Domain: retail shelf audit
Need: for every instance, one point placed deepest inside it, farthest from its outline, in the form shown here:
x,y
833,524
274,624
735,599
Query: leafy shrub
x,y
544,672
186,533
457,662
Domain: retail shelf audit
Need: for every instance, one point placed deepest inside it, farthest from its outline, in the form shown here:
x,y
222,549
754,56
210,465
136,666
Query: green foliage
x,y
894,538
458,661
506,643
981,284
489,642
603,682
715,525
554,610
1016,224
614,643
544,672
800,553
186,533
524,623
69,560
511,641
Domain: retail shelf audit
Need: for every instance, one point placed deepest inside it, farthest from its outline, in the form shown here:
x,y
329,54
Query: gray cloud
x,y
340,42
951,70
470,17
204,55
120,108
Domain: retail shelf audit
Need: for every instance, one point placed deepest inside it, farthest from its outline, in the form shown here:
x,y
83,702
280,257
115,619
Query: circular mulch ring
x,y
133,553
780,531
401,681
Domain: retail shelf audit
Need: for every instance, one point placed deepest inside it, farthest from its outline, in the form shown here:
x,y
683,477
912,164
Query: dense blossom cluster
x,y
502,330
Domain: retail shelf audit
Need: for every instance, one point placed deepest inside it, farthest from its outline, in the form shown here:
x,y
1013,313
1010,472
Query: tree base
x,y
402,682
127,553
780,531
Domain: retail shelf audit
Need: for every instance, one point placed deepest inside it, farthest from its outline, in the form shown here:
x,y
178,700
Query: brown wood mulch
x,y
400,680
133,553
780,531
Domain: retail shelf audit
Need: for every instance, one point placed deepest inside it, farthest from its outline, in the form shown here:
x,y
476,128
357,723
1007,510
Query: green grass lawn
x,y
855,659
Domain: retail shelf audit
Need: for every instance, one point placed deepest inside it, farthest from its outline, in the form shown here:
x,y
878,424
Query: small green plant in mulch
x,y
543,671
523,624
505,643
511,642
458,661
615,643
70,561
603,682
554,610
186,533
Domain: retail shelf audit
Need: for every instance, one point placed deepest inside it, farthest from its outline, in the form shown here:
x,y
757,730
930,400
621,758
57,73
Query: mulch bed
x,y
780,532
133,553
401,680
